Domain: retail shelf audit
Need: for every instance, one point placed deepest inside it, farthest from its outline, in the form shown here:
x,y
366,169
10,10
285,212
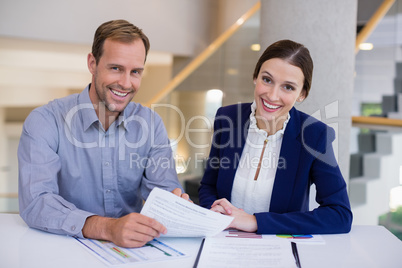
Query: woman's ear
x,y
302,96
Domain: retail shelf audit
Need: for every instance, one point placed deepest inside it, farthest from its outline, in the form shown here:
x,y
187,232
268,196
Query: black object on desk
x,y
296,254
199,254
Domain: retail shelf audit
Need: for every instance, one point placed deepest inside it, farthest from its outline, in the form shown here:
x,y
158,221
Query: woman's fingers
x,y
225,205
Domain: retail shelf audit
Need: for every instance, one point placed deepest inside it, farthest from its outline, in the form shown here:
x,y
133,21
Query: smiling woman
x,y
277,88
275,153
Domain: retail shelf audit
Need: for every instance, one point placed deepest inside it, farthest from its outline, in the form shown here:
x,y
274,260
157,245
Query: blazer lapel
x,y
241,130
239,135
287,165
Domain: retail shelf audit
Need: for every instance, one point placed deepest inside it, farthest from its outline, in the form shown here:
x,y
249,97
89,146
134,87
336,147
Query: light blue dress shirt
x,y
70,168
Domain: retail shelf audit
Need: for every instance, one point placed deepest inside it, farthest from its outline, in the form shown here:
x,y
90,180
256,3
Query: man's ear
x,y
91,62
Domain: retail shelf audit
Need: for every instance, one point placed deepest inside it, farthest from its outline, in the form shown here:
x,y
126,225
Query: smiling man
x,y
76,175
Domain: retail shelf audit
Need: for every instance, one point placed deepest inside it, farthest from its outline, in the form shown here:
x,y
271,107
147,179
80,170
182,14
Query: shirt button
x,y
106,163
73,228
107,191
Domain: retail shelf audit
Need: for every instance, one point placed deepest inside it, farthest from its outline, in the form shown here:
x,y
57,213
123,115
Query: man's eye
x,y
115,68
137,72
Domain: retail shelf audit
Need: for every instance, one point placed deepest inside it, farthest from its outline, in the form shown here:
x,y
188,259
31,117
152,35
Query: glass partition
x,y
224,78
375,166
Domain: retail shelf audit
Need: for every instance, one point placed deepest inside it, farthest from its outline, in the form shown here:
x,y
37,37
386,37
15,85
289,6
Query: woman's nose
x,y
273,93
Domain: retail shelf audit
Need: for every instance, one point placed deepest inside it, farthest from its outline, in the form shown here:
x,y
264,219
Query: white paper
x,y
246,252
181,217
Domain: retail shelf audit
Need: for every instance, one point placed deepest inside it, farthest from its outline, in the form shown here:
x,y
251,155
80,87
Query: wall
x,y
175,26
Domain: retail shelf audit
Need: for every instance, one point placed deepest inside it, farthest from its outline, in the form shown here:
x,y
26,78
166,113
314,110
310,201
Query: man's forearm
x,y
97,227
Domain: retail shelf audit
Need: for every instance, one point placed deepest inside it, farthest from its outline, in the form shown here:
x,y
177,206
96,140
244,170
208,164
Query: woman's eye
x,y
266,80
288,88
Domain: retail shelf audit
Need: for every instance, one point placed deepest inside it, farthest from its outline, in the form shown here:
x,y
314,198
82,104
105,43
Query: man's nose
x,y
125,80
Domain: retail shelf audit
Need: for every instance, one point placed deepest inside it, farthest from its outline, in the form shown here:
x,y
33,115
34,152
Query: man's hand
x,y
132,230
178,192
242,220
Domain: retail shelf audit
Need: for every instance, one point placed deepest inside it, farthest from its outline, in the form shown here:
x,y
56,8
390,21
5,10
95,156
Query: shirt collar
x,y
86,109
88,114
122,120
253,124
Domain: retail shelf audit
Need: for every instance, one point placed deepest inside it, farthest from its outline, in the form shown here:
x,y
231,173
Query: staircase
x,y
377,167
369,193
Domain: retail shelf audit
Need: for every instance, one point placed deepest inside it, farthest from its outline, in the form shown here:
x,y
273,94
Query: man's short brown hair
x,y
117,30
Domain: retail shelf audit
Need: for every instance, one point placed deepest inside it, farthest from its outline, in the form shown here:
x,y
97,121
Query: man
x,y
87,161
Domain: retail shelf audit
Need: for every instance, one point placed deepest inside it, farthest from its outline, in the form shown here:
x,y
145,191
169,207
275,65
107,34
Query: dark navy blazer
x,y
306,158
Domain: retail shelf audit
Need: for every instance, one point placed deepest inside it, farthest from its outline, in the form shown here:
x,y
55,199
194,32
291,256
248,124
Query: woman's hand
x,y
242,220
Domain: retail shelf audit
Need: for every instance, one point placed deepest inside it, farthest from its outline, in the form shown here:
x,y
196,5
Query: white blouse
x,y
252,195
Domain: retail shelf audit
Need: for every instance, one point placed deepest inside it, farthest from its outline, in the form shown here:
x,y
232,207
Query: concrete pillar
x,y
328,29
3,151
3,163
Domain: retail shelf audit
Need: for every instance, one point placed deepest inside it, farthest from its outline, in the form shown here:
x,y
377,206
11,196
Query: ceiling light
x,y
232,71
255,47
240,21
214,94
366,46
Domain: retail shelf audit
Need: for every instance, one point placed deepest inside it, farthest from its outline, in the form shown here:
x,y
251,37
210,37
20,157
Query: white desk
x,y
364,246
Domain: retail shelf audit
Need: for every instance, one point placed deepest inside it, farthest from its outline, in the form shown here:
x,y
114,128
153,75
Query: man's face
x,y
117,76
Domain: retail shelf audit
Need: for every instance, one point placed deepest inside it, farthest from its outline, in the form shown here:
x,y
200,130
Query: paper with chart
x,y
181,217
299,239
111,254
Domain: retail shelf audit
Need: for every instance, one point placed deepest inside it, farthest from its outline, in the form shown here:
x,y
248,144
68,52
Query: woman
x,y
265,155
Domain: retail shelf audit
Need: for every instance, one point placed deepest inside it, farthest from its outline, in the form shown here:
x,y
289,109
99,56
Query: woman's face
x,y
278,86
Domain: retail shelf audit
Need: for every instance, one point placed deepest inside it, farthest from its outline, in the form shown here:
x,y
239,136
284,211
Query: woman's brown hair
x,y
294,53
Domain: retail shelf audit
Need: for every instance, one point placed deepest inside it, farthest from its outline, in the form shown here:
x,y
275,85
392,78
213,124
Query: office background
x,y
44,44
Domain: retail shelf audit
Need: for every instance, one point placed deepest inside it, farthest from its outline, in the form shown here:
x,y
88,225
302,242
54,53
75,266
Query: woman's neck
x,y
270,126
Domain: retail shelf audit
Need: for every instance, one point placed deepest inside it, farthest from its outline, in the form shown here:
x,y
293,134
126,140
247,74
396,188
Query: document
x,y
299,239
218,252
181,217
111,254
